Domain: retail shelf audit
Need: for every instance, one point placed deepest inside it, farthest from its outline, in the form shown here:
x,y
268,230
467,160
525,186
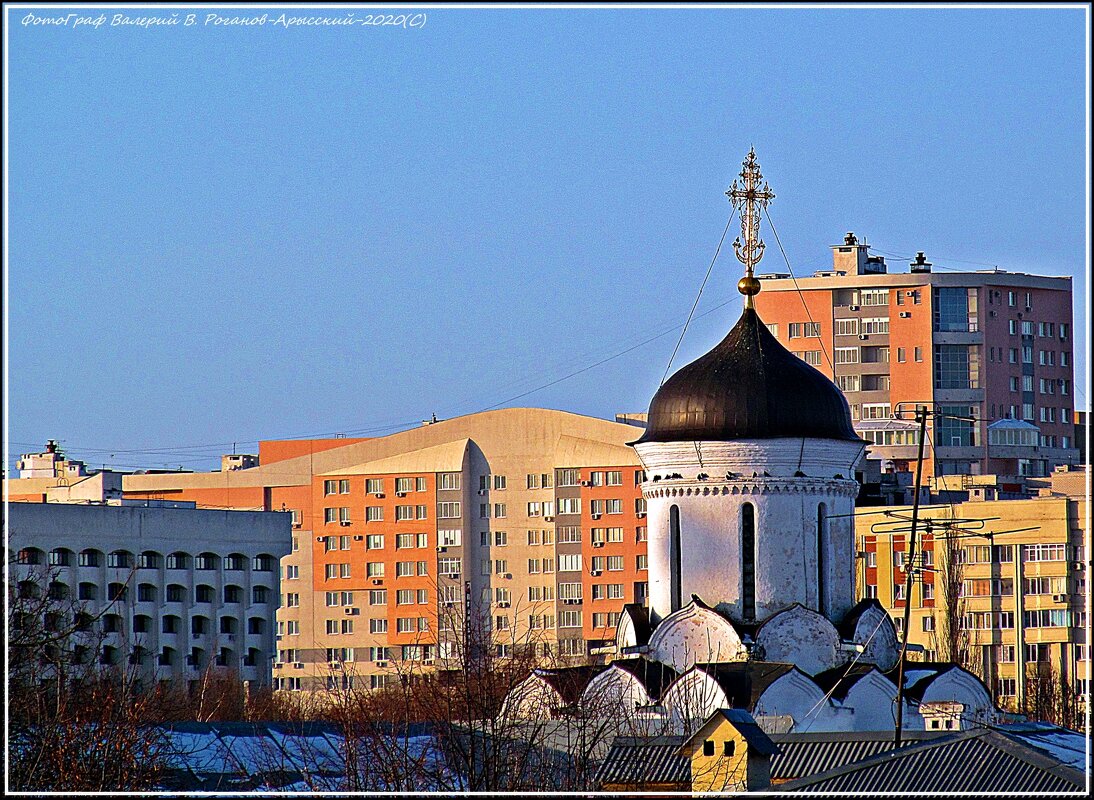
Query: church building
x,y
749,455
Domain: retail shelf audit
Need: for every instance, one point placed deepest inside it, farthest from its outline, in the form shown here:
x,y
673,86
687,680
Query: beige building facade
x,y
1002,583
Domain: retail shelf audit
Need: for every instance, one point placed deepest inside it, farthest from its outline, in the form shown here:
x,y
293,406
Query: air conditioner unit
x,y
641,515
548,519
1059,598
991,313
320,538
586,483
358,538
400,494
482,492
853,308
442,549
503,605
345,523
1078,565
352,612
596,516
377,581
278,664
378,494
905,314
598,544
864,336
508,576
297,525
595,573
380,663
298,665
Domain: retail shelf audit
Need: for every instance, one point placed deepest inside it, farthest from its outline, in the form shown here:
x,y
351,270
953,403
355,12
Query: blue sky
x,y
225,234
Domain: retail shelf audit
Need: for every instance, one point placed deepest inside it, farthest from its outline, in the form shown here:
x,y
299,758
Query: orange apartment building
x,y
530,519
990,345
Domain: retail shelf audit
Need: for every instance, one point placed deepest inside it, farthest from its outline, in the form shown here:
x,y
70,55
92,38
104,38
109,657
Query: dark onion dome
x,y
748,387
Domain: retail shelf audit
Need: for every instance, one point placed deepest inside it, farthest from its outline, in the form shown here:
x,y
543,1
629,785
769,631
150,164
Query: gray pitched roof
x,y
641,761
980,760
806,754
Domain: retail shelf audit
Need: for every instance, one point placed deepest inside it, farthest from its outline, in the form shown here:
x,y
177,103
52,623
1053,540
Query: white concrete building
x,y
172,591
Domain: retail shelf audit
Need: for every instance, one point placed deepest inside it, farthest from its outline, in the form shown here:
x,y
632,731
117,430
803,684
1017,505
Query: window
x,y
641,562
956,367
615,563
849,383
374,486
448,510
501,539
876,411
955,309
569,505
569,562
374,569
374,513
569,619
330,487
404,485
811,357
877,325
874,297
799,330
569,477
847,355
499,482
846,327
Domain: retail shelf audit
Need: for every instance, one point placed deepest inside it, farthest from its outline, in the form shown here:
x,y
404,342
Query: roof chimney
x,y
921,264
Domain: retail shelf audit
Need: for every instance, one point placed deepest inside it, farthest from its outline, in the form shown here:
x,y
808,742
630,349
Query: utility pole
x,y
921,418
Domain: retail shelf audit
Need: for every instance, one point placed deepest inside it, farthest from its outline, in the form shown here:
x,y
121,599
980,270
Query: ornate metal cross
x,y
749,199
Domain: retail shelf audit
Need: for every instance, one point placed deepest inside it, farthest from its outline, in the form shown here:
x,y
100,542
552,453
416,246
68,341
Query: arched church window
x,y
674,556
748,561
822,552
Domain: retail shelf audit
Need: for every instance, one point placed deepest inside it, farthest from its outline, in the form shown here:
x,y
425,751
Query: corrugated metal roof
x,y
801,757
970,761
640,761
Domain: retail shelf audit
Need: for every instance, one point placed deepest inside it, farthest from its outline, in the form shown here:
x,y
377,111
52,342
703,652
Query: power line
x,y
702,286
808,313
